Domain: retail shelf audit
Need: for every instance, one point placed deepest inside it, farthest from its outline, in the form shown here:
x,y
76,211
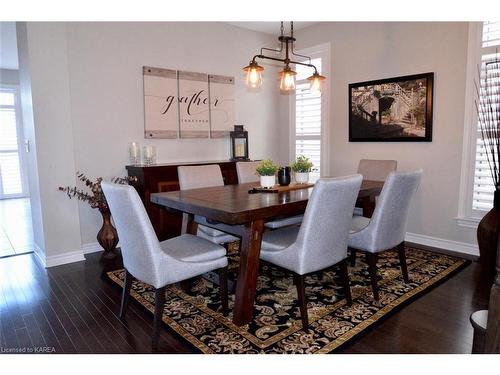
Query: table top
x,y
232,204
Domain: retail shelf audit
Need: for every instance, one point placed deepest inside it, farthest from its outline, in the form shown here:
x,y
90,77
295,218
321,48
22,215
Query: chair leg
x,y
345,279
159,305
353,257
301,292
402,261
372,267
126,294
223,290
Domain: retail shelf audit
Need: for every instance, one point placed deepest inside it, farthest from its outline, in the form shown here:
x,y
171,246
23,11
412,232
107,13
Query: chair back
x,y
388,223
246,171
139,244
376,170
322,238
199,176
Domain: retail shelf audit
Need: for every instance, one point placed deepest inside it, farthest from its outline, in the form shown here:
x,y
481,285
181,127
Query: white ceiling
x,y
272,27
8,46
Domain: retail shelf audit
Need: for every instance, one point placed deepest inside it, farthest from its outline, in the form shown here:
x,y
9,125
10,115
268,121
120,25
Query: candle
x,y
134,153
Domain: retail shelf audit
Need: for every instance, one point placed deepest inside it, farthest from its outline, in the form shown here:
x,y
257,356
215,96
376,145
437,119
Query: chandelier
x,y
287,75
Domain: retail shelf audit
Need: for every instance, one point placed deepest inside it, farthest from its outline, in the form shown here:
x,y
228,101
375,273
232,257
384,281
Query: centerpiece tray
x,y
279,188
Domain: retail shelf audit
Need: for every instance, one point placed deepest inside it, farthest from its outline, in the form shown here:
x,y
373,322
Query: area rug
x,y
276,328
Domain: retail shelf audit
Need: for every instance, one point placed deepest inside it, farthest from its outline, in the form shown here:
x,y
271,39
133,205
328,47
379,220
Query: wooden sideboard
x,y
161,178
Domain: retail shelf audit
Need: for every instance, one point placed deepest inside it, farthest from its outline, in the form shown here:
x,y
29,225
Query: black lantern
x,y
239,143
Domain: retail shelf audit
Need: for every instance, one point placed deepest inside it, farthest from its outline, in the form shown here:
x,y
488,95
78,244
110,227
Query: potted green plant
x,y
301,167
267,170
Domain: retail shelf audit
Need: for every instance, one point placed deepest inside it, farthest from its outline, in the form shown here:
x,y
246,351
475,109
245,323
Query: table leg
x,y
368,204
248,272
191,225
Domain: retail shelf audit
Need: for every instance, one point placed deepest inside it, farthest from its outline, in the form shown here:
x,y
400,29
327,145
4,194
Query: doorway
x,y
16,233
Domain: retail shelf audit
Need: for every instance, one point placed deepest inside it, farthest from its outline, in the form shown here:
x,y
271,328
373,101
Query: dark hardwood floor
x,y
74,309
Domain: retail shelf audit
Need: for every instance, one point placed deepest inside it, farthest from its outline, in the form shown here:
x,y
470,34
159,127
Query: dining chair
x,y
387,227
246,173
202,176
321,240
374,170
158,264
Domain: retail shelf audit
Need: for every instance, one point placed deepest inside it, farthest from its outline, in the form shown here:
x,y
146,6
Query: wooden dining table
x,y
245,215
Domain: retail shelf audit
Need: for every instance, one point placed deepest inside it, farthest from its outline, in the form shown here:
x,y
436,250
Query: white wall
x,y
103,102
48,126
366,51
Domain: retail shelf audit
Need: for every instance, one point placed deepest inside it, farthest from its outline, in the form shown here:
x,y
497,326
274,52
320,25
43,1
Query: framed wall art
x,y
221,105
161,110
179,104
392,110
194,107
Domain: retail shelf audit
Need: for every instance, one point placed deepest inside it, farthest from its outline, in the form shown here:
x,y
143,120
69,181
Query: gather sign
x,y
187,104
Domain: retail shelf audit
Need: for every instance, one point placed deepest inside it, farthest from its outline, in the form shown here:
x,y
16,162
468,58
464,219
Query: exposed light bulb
x,y
315,82
315,85
287,80
254,76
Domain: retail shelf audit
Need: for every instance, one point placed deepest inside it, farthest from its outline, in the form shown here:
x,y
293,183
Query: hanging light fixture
x,y
287,75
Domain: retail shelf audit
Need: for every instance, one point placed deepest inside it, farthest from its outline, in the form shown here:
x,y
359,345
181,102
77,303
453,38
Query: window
x,y
11,178
476,185
308,114
483,183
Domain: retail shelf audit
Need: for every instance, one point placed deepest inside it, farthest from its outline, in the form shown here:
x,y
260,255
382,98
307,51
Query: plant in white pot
x,y
301,167
267,170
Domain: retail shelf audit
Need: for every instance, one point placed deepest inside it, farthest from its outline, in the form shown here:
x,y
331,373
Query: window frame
x,y
319,51
20,137
467,216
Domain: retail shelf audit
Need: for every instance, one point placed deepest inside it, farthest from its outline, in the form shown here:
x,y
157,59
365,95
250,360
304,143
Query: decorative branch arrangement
x,y
95,198
488,112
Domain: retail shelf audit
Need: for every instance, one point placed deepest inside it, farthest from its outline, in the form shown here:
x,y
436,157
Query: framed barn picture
x,y
392,110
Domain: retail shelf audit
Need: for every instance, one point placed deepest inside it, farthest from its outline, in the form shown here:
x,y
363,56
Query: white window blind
x,y
483,182
10,170
308,119
491,33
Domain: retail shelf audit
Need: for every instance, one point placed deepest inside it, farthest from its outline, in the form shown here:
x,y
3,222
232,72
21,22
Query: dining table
x,y
243,213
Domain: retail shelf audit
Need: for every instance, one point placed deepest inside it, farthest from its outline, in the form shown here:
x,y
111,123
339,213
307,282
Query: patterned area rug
x,y
276,327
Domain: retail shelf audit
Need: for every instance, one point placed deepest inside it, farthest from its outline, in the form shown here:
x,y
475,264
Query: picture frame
x,y
398,109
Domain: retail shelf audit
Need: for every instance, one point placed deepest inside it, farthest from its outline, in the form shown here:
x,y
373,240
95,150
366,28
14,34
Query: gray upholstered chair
x,y
374,170
387,227
246,173
158,263
321,240
201,176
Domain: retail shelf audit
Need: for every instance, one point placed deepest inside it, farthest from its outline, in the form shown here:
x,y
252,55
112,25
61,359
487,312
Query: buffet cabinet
x,y
161,178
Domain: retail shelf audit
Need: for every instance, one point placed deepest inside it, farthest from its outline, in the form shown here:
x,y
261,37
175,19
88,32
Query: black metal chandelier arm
x,y
272,50
286,61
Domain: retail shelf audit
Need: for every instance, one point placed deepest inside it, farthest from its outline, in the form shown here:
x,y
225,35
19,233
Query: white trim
x,y
91,247
324,52
69,257
441,243
468,222
39,257
20,142
465,210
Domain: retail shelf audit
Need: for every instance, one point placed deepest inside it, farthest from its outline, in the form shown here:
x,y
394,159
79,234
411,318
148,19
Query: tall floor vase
x,y
487,238
107,236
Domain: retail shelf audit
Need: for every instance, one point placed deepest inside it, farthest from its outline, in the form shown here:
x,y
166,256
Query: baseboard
x,y
91,247
39,257
441,243
70,257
